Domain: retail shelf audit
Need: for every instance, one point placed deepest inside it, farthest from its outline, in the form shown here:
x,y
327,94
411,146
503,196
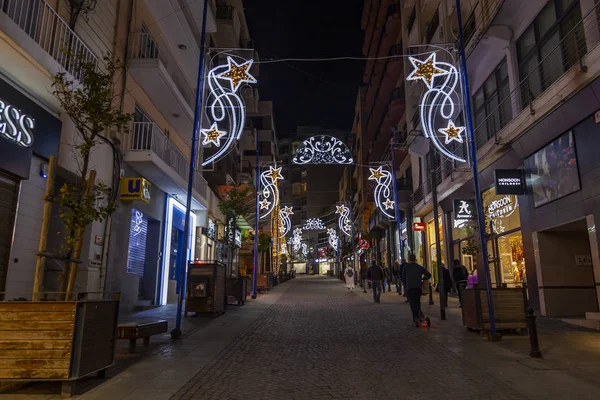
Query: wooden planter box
x,y
264,281
509,308
206,288
237,288
57,340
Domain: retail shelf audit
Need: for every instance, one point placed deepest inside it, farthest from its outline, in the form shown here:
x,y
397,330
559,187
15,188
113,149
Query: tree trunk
x,y
78,243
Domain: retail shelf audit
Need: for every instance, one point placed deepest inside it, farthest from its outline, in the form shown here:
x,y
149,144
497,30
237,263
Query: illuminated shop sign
x,y
499,210
135,189
211,232
15,125
419,226
510,181
238,238
464,210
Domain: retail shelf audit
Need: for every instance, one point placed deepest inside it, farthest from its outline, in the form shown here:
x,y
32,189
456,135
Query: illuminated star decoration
x,y
274,173
425,70
333,238
237,74
287,210
383,190
439,104
344,220
452,132
285,225
212,135
264,205
376,174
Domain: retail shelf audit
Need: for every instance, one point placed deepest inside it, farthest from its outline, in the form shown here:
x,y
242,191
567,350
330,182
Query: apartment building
x,y
160,43
533,79
379,114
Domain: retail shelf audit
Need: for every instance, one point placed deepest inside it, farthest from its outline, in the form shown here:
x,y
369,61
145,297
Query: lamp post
x,y
400,247
473,149
176,333
438,250
256,216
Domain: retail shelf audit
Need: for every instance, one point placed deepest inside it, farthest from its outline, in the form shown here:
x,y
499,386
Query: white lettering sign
x,y
500,209
16,126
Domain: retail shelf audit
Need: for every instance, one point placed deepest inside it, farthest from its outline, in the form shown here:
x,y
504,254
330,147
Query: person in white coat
x,y
349,277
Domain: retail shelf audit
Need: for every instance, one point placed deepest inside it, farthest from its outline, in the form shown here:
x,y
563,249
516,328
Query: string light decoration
x,y
297,240
344,219
268,198
286,223
226,108
439,104
383,191
333,238
323,149
313,224
283,249
304,249
212,135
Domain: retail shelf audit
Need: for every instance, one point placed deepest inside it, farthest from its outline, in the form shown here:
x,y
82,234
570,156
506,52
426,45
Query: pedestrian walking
x,y
460,275
363,277
387,278
349,277
413,276
375,275
397,273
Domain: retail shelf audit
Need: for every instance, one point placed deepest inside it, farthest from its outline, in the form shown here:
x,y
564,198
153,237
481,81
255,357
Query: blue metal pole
x,y
176,333
396,200
354,258
257,170
473,148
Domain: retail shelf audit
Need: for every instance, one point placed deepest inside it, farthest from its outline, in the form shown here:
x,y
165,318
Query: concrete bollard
x,y
533,335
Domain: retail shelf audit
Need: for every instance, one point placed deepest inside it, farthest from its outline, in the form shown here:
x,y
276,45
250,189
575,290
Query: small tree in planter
x,y
234,204
89,104
264,246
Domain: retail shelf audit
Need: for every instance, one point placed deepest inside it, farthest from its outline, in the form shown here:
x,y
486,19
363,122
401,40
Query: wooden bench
x,y
140,330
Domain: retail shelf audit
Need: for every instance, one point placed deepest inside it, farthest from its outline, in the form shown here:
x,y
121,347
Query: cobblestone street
x,y
309,339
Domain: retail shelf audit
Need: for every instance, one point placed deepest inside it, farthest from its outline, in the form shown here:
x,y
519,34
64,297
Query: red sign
x,y
363,244
419,226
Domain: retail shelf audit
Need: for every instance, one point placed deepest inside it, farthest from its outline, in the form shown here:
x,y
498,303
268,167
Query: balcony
x,y
39,30
228,27
150,153
154,68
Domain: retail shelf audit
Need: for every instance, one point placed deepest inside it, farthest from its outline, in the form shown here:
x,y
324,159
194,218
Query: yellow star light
x,y
287,211
425,70
264,205
212,135
237,73
274,173
452,132
376,174
330,231
388,204
340,209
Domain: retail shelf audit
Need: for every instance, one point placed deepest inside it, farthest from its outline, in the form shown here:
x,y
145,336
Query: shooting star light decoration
x,y
268,198
226,108
344,219
304,249
439,104
383,191
323,149
297,240
333,238
286,224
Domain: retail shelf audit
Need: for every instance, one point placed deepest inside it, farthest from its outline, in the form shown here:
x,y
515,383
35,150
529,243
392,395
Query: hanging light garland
x,y
268,197
323,149
383,191
344,219
313,224
225,107
439,103
304,249
297,240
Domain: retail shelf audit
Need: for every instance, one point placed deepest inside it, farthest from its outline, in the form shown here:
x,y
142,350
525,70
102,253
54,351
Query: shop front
x,y
463,241
29,135
505,239
431,252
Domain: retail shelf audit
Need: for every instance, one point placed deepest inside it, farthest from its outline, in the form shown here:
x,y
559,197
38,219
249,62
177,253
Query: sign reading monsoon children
x,y
510,181
499,210
135,189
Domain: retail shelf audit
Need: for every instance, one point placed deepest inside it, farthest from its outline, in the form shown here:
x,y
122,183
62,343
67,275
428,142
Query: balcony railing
x,y
433,26
569,53
52,33
147,136
478,22
411,19
144,46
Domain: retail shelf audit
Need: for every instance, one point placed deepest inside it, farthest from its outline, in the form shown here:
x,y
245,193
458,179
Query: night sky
x,y
308,93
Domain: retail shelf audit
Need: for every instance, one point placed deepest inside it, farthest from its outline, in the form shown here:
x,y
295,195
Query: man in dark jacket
x,y
397,272
363,277
460,275
376,275
412,276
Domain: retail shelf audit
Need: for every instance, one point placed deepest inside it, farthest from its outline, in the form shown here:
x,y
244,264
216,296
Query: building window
x,y
304,187
491,104
553,43
303,200
433,26
304,173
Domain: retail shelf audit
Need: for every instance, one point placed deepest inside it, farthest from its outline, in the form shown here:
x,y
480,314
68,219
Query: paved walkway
x,y
309,339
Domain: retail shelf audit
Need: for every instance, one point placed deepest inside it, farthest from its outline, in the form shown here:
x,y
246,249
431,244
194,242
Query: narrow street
x,y
309,339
